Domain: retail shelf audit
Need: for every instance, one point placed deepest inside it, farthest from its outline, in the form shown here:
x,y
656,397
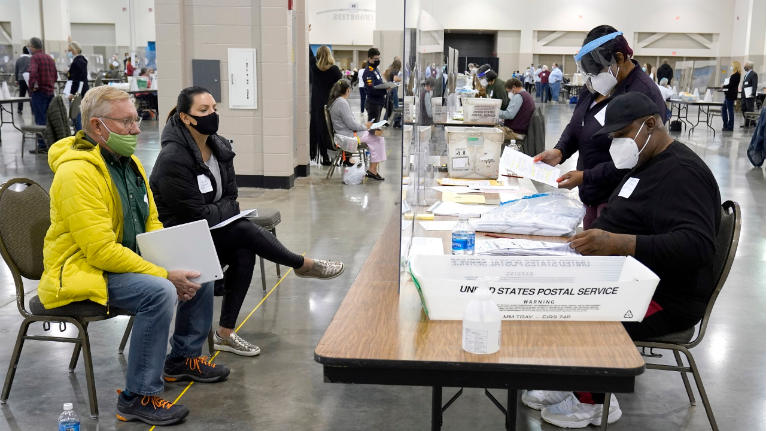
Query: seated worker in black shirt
x,y
665,213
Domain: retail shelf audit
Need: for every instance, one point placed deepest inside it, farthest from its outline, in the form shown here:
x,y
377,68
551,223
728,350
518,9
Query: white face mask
x,y
483,82
511,94
624,151
604,82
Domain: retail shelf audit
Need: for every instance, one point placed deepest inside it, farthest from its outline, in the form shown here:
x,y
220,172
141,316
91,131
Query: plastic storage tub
x,y
473,152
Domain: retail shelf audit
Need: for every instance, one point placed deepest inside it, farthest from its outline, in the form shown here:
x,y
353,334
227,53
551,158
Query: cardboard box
x,y
594,288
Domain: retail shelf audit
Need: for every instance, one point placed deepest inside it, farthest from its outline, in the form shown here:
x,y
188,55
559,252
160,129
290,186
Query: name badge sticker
x,y
600,116
628,187
204,183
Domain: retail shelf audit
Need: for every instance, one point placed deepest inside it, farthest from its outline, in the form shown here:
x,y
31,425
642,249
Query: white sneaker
x,y
539,399
571,413
234,344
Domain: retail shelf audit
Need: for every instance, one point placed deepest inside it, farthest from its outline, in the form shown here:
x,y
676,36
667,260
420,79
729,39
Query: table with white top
x,y
703,107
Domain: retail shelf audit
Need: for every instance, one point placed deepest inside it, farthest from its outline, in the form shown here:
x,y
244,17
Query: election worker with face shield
x,y
665,213
605,60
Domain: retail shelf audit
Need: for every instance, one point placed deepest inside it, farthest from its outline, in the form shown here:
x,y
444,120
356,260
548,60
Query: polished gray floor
x,y
283,389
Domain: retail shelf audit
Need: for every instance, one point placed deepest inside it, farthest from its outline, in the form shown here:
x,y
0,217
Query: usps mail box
x,y
438,112
480,109
581,288
473,152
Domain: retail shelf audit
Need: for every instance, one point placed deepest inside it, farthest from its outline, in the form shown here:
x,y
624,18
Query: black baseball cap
x,y
624,109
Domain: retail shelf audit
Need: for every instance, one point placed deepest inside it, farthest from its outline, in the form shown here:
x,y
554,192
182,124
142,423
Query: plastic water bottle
x,y
463,237
482,323
69,421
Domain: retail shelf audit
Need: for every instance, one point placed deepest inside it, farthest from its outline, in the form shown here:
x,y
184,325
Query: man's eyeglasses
x,y
127,123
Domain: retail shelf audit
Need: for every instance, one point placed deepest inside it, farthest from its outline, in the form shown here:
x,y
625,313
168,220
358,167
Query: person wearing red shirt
x,y
544,75
42,78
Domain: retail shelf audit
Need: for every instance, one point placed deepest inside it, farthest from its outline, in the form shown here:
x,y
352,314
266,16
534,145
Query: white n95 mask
x,y
604,82
624,151
483,82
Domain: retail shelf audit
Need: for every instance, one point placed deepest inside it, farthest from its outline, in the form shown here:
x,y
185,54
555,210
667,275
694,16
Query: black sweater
x,y
731,89
674,211
600,176
78,72
174,179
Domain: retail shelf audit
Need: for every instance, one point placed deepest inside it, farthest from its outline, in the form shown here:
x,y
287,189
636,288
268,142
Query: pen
x,y
537,195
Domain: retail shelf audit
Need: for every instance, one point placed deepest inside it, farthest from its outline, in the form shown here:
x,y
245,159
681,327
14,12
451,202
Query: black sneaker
x,y
376,177
39,151
197,369
152,410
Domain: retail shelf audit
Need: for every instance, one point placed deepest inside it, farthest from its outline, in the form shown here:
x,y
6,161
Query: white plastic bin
x,y
473,152
480,110
573,288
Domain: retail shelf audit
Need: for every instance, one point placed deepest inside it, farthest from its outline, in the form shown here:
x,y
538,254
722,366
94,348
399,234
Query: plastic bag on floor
x,y
354,174
552,214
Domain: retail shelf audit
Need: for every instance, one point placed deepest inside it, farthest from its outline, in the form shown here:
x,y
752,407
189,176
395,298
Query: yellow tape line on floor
x,y
238,328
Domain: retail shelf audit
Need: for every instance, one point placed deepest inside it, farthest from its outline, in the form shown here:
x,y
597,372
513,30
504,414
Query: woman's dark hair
x,y
186,100
491,75
618,44
483,68
339,89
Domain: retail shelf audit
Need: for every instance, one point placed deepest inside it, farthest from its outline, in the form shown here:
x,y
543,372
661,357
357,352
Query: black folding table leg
x,y
606,411
511,410
436,408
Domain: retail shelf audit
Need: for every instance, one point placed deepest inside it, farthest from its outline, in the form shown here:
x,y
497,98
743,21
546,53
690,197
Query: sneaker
x,y
197,369
571,413
235,344
152,410
325,269
537,400
39,151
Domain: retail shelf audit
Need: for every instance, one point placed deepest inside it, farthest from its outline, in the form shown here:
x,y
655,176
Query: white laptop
x,y
187,247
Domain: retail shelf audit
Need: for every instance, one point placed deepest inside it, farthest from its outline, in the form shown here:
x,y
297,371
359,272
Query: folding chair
x,y
726,246
361,147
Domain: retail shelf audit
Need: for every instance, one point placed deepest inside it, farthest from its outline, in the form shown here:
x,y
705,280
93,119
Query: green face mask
x,y
124,145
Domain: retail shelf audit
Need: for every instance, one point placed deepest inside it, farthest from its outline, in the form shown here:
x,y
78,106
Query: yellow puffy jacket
x,y
86,227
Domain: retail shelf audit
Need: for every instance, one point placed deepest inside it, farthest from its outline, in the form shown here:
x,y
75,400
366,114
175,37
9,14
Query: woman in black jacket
x,y
193,179
324,75
78,74
730,95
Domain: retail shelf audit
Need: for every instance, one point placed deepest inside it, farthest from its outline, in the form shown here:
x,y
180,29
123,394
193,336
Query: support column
x,y
302,85
55,21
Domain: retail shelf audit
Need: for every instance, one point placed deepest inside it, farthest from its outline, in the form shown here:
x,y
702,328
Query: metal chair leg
x,y
686,381
263,274
274,232
90,380
75,356
606,411
14,360
701,389
125,336
210,342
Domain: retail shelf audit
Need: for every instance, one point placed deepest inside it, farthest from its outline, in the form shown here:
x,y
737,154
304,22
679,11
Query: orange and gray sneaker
x,y
152,410
197,369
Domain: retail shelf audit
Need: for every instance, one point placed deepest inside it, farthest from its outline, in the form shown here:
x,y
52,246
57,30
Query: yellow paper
x,y
463,182
409,216
463,198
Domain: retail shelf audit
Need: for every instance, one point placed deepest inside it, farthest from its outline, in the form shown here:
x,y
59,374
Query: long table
x,y
703,107
380,335
12,101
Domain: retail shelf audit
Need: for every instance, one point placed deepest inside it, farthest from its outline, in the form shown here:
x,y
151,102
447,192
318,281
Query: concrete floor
x,y
283,388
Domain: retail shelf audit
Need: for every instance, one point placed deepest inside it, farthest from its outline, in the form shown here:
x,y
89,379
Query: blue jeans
x,y
554,86
363,94
728,113
40,102
538,90
395,98
545,92
152,300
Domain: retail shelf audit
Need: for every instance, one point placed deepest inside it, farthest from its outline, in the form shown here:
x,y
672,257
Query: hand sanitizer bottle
x,y
482,323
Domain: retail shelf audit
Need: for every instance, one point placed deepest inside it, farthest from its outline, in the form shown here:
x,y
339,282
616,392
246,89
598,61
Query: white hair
x,y
545,67
76,48
98,103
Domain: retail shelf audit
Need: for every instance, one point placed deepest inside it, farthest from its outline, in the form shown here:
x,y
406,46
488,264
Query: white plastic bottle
x,y
463,237
68,420
482,323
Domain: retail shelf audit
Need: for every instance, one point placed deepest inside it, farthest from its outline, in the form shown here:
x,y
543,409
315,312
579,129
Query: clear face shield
x,y
599,65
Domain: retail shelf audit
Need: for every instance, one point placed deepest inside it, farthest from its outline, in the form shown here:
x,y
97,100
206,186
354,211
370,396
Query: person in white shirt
x,y
537,80
529,81
555,81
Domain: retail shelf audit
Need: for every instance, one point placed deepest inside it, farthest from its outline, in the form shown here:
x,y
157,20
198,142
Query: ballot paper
x,y
523,165
463,198
726,82
245,213
442,225
379,124
26,77
471,183
453,189
523,247
426,246
67,87
456,209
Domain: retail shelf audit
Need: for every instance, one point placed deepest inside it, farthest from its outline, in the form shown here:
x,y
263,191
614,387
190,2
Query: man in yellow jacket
x,y
100,201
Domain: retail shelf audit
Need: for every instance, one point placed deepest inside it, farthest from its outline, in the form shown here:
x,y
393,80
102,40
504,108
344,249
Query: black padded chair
x,y
24,221
726,246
